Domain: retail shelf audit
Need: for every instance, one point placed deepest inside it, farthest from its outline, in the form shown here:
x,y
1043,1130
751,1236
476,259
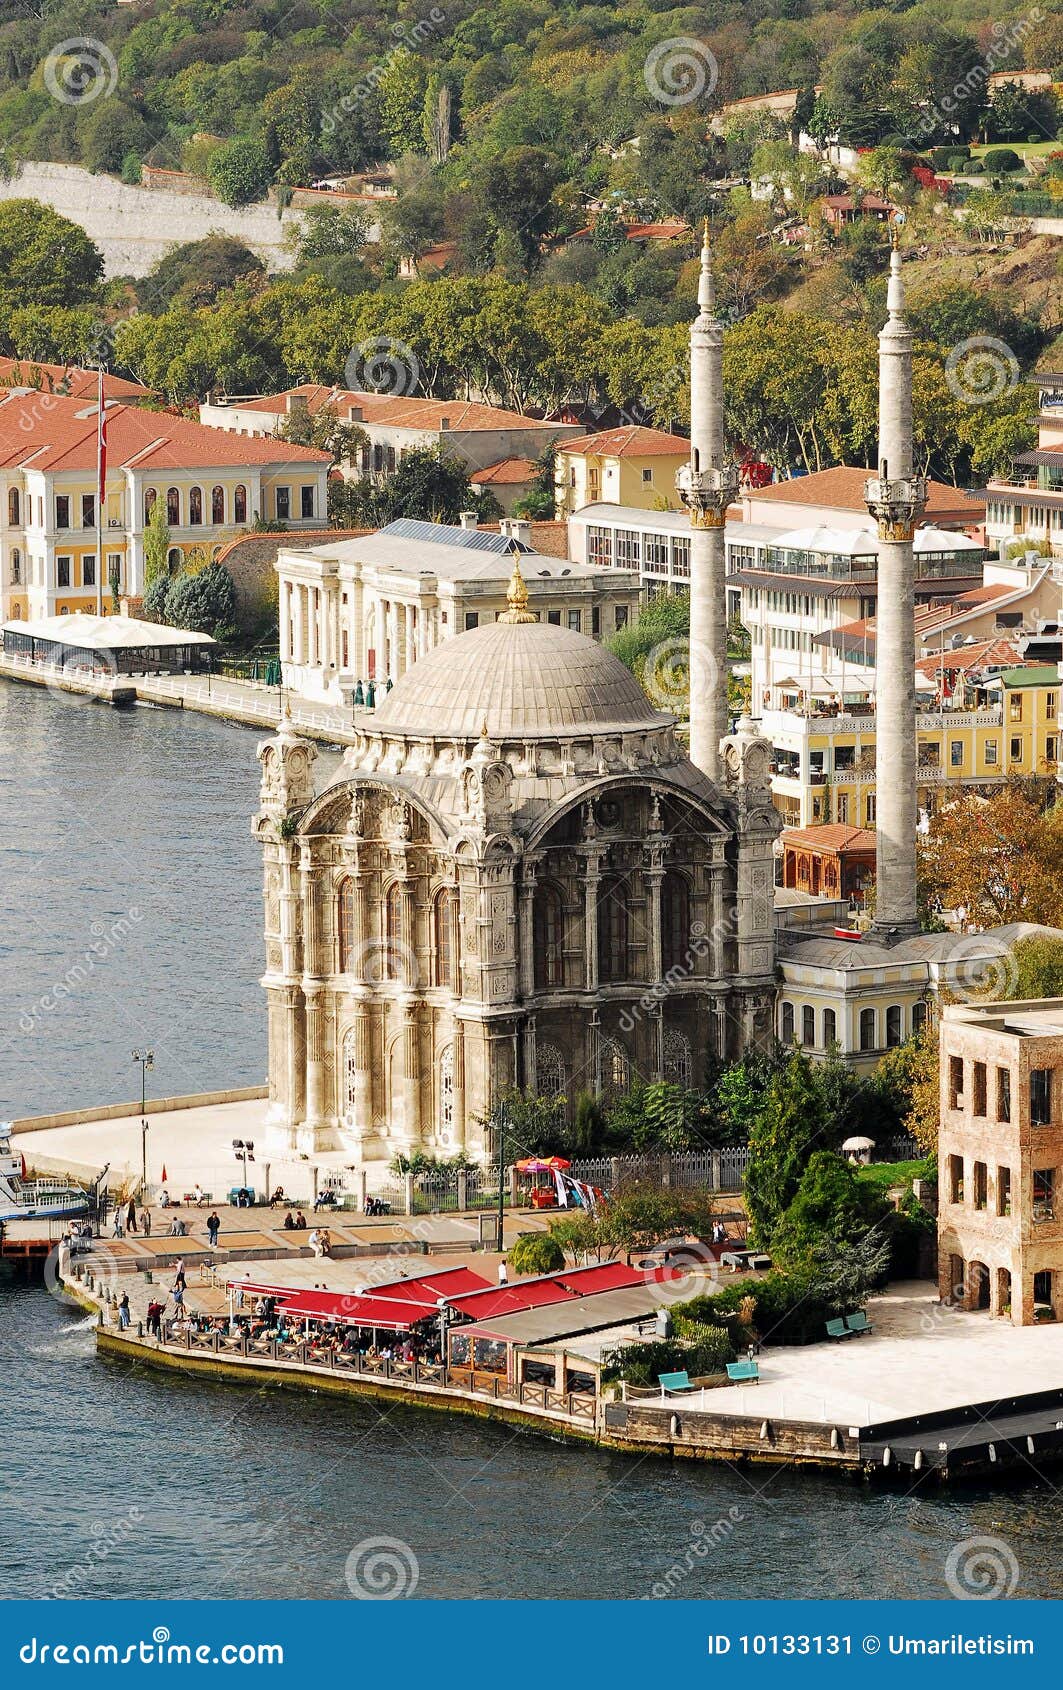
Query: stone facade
x,y
1000,1159
558,902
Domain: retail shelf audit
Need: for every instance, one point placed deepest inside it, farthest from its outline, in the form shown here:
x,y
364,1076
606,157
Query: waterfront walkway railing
x,y
579,1407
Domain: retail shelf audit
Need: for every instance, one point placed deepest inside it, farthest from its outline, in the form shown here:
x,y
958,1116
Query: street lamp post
x,y
245,1150
501,1178
146,1058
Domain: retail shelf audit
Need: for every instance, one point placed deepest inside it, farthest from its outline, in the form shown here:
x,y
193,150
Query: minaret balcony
x,y
707,493
896,501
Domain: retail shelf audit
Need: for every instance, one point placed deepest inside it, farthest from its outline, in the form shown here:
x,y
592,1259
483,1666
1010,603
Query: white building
x,y
365,610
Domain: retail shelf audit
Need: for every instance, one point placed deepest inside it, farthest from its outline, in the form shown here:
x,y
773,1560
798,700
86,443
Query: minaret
x,y
896,498
707,486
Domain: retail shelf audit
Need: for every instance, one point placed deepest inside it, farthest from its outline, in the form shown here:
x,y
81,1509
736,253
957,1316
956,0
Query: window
x,y
978,1088
575,621
16,567
678,1059
195,506
955,1082
867,1029
808,1024
1050,705
62,510
614,1067
981,1186
918,1016
347,926
150,496
991,753
830,1028
844,757
647,477
472,620
1050,748
88,510
446,1093
549,1071
1003,1094
88,570
956,753
240,503
614,932
395,942
843,808
675,921
1044,1194
217,505
870,809
62,572
114,569
284,503
554,618
955,1179
621,616
306,501
1040,1096
444,950
1003,1191
596,622
1015,750
894,1025
13,503
547,931
786,1032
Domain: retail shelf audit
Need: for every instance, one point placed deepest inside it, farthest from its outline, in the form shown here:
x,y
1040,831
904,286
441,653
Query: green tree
x,y
783,1134
830,1205
156,545
204,602
1035,968
44,258
536,1252
329,231
197,272
240,172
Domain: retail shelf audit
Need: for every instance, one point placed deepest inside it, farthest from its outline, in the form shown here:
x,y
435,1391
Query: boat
x,y
36,1199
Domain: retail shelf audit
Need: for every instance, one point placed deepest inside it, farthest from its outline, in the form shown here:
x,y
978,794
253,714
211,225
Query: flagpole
x,y
100,497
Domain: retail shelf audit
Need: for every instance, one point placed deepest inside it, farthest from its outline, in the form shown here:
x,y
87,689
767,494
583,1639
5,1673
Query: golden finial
x,y
517,598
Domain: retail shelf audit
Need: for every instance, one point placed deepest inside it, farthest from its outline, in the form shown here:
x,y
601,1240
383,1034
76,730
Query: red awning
x,y
427,1288
601,1276
511,1299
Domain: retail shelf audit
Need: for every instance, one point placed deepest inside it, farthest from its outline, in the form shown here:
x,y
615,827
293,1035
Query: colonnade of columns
x,y
336,624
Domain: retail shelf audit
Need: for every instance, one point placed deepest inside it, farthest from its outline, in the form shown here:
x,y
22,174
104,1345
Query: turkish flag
x,y
164,1173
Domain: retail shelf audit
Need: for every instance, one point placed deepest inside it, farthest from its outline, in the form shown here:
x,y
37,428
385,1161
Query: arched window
x,y
350,1070
894,1025
830,1028
867,1029
217,505
675,921
614,932
614,1069
195,506
786,1023
918,1016
150,496
443,916
13,506
548,937
240,504
173,507
175,557
446,1094
678,1061
549,1071
808,1025
347,927
395,944
16,567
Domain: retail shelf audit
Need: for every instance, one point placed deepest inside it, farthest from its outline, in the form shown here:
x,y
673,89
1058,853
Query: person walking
x,y
503,1274
213,1229
123,1311
119,1231
178,1295
145,1223
179,1273
131,1216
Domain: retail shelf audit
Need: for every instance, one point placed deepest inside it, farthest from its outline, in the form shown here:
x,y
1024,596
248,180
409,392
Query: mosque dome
x,y
522,678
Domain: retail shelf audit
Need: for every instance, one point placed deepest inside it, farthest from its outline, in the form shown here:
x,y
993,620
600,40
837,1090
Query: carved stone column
x,y
399,664
530,1055
528,876
592,876
653,875
357,626
411,1074
459,1085
315,1053
362,1077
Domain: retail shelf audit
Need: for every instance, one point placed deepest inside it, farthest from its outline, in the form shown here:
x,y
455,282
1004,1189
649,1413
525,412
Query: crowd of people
x,y
266,1320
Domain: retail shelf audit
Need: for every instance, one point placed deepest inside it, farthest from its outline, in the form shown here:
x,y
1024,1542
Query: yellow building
x,y
623,466
976,738
212,485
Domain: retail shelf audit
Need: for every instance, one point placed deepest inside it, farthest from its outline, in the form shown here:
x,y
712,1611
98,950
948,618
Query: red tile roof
x,y
509,472
76,382
830,836
629,442
1002,653
392,408
50,433
842,488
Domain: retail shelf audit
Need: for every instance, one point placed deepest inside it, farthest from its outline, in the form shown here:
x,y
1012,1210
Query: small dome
x,y
525,680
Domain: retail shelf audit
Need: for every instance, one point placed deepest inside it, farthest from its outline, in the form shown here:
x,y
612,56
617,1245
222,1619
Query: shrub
x,y
975,168
958,163
831,1203
707,1349
1001,159
538,1252
204,603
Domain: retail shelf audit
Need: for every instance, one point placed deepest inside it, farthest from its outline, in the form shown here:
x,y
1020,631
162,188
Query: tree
x,y
537,1252
1000,857
430,483
639,1217
240,172
156,546
204,602
882,168
326,432
831,1205
924,1112
198,272
44,258
1036,968
516,193
783,1133
329,231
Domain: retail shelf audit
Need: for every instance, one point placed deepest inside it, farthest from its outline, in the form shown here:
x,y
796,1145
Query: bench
x,y
858,1323
743,1372
674,1382
838,1329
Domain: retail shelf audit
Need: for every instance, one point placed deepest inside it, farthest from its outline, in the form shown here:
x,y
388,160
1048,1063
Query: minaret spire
x,y
707,486
896,498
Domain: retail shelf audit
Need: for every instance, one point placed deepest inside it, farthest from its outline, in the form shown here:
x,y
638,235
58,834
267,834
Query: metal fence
x,y
713,1170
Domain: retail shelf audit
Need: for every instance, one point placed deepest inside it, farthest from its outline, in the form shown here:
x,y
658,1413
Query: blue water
x,y
123,1483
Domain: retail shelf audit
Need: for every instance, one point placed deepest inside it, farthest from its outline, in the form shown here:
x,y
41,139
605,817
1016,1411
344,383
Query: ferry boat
x,y
39,1199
